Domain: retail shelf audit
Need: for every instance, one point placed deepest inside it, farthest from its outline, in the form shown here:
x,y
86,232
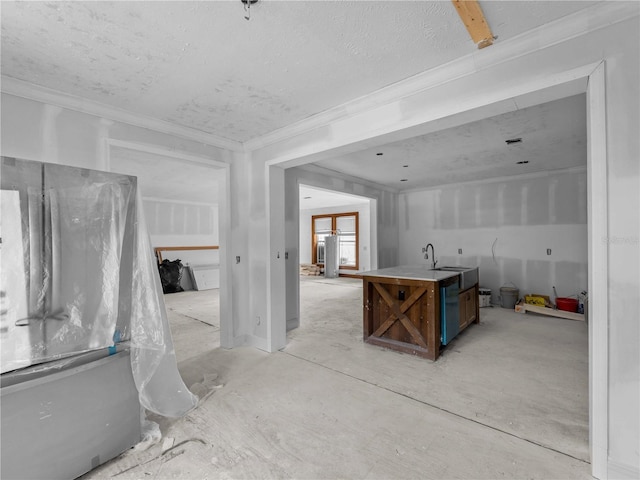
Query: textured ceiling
x,y
203,66
312,197
159,178
554,136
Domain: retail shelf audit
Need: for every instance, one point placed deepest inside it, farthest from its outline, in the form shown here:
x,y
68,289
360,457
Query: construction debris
x,y
310,269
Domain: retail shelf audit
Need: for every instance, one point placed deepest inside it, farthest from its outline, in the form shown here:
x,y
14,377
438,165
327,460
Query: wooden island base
x,y
403,315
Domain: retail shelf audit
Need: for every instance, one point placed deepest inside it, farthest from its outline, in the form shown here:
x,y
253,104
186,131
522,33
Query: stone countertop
x,y
411,272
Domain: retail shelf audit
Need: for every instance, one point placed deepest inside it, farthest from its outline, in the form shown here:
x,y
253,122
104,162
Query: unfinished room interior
x,y
320,239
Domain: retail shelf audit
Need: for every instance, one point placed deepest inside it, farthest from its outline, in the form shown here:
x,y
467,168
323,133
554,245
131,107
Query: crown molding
x,y
30,91
599,16
566,28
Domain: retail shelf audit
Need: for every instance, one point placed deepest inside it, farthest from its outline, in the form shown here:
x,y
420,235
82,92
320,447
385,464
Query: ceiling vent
x,y
511,141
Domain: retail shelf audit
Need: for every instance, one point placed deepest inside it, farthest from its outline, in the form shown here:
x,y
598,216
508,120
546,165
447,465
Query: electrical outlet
x,y
459,251
238,259
548,251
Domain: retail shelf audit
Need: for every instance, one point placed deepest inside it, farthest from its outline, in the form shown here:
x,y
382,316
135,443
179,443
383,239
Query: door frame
x,y
224,226
591,80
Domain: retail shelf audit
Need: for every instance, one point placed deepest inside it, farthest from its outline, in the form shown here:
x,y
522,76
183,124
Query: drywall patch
x,y
511,271
538,277
570,278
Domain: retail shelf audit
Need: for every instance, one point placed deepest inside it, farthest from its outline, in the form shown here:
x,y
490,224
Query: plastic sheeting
x,y
78,274
153,358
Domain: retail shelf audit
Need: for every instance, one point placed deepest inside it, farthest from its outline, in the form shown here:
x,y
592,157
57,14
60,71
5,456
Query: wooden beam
x,y
158,250
471,15
553,313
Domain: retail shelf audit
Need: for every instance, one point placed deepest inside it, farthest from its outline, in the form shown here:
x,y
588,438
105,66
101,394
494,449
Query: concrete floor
x,y
507,399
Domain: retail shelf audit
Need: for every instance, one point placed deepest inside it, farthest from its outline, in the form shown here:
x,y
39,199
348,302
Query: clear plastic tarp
x,y
77,274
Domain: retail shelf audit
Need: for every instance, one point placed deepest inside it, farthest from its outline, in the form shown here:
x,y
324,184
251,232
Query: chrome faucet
x,y
425,250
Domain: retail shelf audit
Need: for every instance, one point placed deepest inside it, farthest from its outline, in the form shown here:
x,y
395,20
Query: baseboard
x,y
622,471
251,341
292,323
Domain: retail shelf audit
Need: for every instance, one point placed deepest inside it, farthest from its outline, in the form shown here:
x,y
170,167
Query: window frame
x,y
334,217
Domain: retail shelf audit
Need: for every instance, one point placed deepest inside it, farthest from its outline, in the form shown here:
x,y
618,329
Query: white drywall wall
x,y
382,225
176,224
531,66
38,131
504,227
34,130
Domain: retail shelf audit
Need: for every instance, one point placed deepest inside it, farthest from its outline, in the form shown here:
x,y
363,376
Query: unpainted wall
x,y
383,225
489,77
505,228
38,131
35,130
178,224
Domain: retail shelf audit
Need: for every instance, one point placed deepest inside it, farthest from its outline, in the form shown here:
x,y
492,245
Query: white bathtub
x,y
66,419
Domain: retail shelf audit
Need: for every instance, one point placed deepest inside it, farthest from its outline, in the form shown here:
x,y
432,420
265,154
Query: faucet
x,y
425,250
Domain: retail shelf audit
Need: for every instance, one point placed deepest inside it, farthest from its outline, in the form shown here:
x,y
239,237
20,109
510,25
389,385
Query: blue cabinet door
x,y
449,313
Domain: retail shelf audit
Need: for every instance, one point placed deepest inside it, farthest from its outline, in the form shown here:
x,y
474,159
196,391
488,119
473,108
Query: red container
x,y
567,304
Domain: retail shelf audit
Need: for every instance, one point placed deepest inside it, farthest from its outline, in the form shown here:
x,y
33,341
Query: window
x,y
346,227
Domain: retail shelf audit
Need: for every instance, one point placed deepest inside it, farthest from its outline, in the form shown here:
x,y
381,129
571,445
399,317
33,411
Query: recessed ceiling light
x,y
404,180
379,154
522,162
511,141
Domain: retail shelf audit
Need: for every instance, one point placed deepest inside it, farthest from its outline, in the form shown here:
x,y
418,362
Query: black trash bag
x,y
170,276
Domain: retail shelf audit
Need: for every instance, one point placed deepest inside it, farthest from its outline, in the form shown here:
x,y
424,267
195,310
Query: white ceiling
x,y
201,65
166,178
554,137
313,197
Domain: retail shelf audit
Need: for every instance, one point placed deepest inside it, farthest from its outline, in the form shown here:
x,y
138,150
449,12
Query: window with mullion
x,y
345,225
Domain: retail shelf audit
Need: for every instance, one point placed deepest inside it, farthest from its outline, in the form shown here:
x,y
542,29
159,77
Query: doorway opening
x,y
182,205
596,228
326,212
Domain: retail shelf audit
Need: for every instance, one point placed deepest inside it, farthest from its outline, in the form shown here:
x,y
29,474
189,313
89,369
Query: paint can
x,y
484,297
509,297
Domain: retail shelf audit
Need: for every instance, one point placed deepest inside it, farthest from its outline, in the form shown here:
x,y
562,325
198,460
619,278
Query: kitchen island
x,y
416,310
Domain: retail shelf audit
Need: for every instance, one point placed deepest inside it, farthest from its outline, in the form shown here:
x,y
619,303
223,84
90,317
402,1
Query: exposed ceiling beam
x,y
471,14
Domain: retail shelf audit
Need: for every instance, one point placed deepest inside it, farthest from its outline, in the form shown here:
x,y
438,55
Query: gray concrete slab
x,y
523,374
329,406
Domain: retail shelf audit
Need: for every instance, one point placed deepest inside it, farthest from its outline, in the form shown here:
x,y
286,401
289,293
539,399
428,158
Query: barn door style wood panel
x,y
402,315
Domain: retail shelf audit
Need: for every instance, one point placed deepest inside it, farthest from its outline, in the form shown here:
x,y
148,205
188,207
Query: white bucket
x,y
484,297
509,297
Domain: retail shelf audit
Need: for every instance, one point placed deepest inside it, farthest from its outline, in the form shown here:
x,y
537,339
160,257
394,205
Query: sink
x,y
468,275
